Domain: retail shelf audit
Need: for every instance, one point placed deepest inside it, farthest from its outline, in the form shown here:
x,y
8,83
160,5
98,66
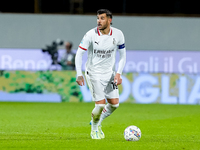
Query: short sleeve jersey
x,y
102,49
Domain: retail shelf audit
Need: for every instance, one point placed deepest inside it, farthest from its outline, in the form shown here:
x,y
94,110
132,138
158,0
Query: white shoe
x,y
101,134
95,135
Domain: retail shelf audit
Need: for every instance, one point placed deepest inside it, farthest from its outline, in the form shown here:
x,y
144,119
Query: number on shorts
x,y
114,85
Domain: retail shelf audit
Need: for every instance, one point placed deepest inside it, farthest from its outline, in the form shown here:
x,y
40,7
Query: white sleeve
x,y
122,60
78,61
86,41
122,52
83,46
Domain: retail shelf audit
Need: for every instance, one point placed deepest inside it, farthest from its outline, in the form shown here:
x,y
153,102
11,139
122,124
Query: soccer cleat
x,y
95,135
101,134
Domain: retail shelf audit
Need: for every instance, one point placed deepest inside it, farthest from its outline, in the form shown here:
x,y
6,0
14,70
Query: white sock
x,y
107,111
96,113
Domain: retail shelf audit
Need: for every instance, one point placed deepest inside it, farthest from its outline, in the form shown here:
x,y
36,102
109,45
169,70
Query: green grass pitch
x,y
49,126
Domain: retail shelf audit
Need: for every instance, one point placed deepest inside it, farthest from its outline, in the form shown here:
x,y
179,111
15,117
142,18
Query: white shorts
x,y
102,86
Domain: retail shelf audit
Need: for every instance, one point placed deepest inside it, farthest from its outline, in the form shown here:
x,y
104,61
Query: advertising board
x,y
61,86
137,61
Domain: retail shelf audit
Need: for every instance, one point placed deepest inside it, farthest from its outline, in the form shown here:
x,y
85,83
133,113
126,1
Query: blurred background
x,y
166,25
39,39
121,7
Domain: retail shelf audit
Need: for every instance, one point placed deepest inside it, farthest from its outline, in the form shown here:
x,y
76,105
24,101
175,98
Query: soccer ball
x,y
132,133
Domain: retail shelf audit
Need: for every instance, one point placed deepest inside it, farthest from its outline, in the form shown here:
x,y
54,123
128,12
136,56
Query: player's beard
x,y
104,27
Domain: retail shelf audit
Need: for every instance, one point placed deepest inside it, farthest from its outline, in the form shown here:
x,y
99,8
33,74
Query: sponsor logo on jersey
x,y
103,53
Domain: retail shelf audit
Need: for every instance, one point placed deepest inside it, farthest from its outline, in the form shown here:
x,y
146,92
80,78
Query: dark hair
x,y
71,44
106,11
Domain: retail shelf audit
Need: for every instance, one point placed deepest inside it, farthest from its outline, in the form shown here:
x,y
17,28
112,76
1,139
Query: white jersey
x,y
102,50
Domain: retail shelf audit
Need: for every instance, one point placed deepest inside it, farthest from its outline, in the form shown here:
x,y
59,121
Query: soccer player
x,y
101,44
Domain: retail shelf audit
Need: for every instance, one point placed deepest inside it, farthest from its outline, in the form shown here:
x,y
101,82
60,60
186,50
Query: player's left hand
x,y
118,79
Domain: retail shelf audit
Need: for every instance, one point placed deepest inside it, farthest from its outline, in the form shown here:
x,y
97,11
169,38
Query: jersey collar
x,y
99,33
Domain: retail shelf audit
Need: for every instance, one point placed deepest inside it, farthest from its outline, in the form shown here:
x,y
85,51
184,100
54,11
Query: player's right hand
x,y
80,80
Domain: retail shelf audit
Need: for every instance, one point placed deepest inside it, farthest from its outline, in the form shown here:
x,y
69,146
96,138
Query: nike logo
x,y
96,42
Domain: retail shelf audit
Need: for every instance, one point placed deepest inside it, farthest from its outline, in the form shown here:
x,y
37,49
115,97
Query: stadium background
x,y
44,108
30,25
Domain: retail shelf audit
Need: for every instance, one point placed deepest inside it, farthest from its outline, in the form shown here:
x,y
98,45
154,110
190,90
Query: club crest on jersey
x,y
114,41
